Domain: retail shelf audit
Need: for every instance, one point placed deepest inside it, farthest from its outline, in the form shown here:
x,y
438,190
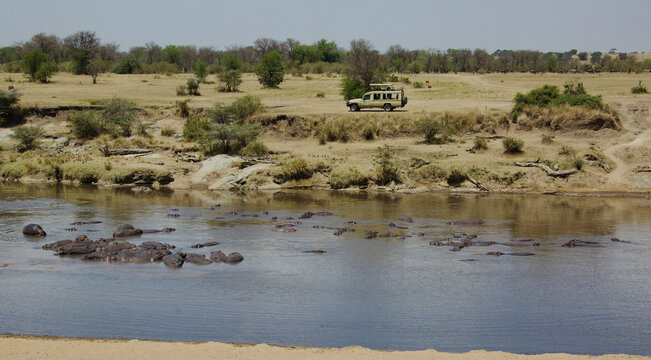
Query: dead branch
x,y
477,184
547,169
110,152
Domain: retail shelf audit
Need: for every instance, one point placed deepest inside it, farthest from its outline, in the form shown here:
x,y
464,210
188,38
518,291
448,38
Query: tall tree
x,y
83,46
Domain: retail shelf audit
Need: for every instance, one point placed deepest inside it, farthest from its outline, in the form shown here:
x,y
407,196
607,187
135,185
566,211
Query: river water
x,y
395,293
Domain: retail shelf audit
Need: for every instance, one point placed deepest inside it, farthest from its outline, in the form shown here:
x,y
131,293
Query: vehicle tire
x,y
387,107
354,107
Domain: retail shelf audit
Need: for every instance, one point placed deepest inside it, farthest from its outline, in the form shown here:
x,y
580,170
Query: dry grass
x,y
449,92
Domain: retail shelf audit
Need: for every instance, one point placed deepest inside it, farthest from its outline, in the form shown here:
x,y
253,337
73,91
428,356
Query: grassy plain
x,y
624,150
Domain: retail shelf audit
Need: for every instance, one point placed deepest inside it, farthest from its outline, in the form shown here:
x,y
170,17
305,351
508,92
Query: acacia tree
x,y
231,75
363,66
270,70
95,67
83,47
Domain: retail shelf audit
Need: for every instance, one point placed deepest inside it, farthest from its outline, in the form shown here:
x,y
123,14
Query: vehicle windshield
x,y
367,97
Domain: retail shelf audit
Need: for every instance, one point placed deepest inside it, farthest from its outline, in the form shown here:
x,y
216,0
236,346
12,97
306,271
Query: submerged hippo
x,y
173,260
234,257
210,243
151,231
127,230
581,243
315,251
405,219
466,222
33,230
197,259
218,256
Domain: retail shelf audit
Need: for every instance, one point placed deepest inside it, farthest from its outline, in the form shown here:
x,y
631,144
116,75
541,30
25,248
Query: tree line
x,y
84,53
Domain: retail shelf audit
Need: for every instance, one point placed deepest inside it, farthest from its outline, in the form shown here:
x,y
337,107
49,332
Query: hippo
x,y
495,253
70,229
323,213
522,254
218,256
199,246
234,258
405,219
284,229
174,260
127,230
33,230
86,222
466,222
96,256
483,243
619,241
56,245
117,246
197,259
306,215
173,215
579,243
370,234
155,245
151,231
315,251
392,225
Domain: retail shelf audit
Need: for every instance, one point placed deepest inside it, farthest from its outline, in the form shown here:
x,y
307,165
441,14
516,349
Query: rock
x,y
225,183
248,171
212,165
33,230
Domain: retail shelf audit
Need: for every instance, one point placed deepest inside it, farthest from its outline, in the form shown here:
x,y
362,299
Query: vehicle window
x,y
389,96
376,96
367,97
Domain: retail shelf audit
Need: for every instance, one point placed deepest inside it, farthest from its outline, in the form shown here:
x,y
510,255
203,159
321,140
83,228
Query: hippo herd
x,y
116,249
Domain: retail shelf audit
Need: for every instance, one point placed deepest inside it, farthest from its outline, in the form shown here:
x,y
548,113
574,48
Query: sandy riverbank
x,y
31,347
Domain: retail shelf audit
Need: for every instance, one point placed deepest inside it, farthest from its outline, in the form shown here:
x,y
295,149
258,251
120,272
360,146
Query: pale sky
x,y
549,25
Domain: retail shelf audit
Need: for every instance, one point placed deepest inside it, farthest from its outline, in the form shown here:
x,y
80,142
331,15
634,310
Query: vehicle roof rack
x,y
380,84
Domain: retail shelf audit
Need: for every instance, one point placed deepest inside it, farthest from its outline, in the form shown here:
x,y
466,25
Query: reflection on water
x,y
384,293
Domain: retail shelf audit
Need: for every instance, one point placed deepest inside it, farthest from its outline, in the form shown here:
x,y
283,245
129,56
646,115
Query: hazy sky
x,y
547,25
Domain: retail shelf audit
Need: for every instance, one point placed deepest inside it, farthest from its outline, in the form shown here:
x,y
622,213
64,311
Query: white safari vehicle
x,y
380,96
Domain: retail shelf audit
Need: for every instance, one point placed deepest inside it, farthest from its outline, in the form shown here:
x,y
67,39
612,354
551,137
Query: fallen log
x,y
477,184
110,152
642,169
547,169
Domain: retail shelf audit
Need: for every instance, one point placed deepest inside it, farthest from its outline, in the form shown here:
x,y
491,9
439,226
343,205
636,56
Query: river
x,y
396,293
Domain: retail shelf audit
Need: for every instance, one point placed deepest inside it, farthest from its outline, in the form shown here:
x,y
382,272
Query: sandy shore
x,y
31,347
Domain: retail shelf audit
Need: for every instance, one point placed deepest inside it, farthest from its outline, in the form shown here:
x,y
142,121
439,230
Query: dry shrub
x,y
297,169
428,174
456,176
567,117
344,177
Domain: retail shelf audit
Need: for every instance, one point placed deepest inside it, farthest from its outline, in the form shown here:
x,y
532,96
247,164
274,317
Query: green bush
x,y
549,95
386,171
352,89
183,108
13,170
192,85
38,66
228,138
10,111
320,94
200,69
27,136
231,62
295,170
418,84
254,148
245,107
480,144
270,70
567,150
119,116
231,79
512,145
86,125
578,163
456,176
195,127
344,177
181,90
639,89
